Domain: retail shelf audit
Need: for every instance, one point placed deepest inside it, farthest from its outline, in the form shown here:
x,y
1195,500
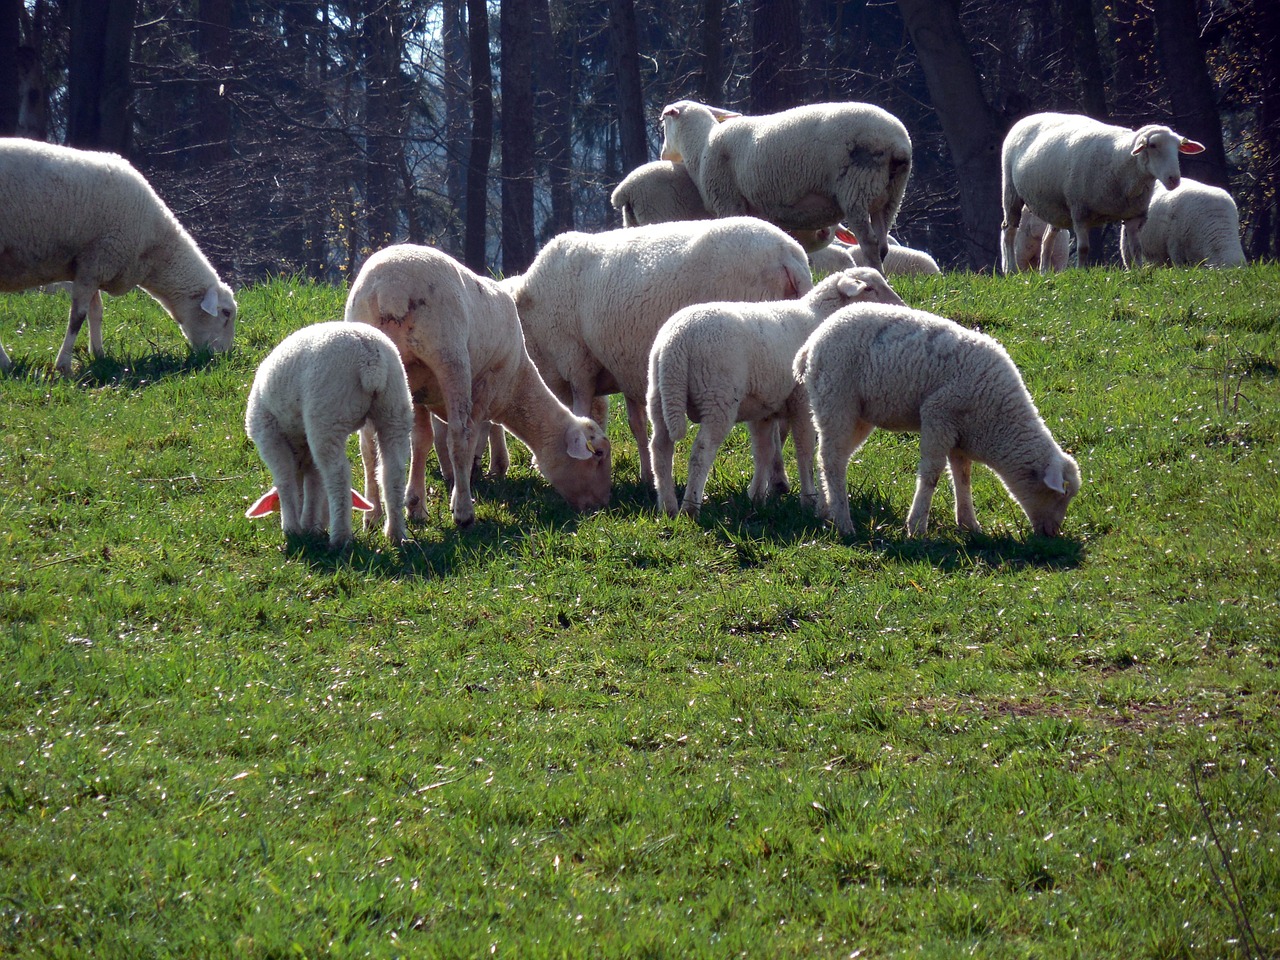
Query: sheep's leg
x,y
499,455
662,451
638,421
315,503
81,301
95,325
369,462
1047,243
875,246
1081,230
804,439
416,495
835,448
334,471
393,452
1012,205
770,473
711,435
936,443
962,485
462,447
285,475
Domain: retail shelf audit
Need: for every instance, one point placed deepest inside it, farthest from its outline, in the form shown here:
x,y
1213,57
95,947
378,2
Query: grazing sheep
x,y
1193,225
320,385
907,370
724,363
1040,246
900,260
803,168
460,340
92,219
591,303
1076,172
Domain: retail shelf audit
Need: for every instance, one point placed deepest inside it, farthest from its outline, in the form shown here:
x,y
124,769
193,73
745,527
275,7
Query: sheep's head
x,y
582,472
854,285
1046,494
206,317
1158,148
681,119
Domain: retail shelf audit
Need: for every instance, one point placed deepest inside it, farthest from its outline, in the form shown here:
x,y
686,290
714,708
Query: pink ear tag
x,y
268,503
844,234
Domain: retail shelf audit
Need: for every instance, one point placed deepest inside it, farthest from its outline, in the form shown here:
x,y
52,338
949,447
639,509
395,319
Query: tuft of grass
x,y
618,734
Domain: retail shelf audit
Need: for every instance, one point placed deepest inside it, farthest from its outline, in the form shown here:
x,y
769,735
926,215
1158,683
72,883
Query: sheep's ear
x,y
1190,146
722,114
672,111
266,504
851,287
845,235
577,445
1053,478
359,502
210,302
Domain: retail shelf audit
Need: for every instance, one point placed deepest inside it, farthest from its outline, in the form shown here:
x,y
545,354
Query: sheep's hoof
x,y
465,523
689,508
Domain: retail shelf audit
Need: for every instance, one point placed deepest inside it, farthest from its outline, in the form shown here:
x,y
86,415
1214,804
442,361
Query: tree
x,y
554,109
777,78
98,84
626,65
1195,109
455,80
10,40
481,134
518,151
712,36
213,108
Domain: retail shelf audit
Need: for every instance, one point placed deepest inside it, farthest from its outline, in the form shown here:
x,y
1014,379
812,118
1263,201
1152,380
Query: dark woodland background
x,y
297,136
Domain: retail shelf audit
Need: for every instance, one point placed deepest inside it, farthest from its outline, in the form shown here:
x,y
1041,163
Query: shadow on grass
x,y
130,372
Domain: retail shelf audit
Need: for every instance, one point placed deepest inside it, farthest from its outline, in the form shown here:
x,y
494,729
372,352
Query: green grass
x,y
620,735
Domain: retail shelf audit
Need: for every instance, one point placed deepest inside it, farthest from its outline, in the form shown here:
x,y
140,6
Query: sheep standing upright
x,y
1076,172
317,387
1192,226
900,369
92,219
724,363
804,168
459,337
591,303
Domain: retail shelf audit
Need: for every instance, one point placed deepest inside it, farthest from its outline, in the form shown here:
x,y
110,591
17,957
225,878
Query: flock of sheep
x,y
701,308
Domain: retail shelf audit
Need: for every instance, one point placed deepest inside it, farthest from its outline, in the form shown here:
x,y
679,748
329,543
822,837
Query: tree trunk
x,y
555,113
384,120
777,77
713,52
10,40
481,135
213,112
973,130
626,64
1195,108
518,151
98,85
1078,15
456,78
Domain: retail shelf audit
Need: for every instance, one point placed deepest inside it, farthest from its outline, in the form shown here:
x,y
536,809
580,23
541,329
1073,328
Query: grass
x,y
620,735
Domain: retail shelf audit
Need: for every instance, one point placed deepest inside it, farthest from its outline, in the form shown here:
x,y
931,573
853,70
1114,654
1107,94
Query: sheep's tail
x,y
669,385
800,366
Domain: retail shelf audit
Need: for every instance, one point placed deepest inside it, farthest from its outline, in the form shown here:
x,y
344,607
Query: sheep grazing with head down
x,y
1040,246
459,337
90,218
1076,172
900,369
724,363
1195,225
803,169
319,386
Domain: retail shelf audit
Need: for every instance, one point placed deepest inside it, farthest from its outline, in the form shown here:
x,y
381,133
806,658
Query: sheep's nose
x,y
1171,183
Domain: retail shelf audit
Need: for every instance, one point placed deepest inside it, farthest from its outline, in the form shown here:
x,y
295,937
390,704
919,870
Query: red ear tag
x,y
359,502
264,505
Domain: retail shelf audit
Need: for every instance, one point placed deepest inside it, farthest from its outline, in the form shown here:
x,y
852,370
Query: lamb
x,y
1076,172
1039,246
591,303
900,260
724,363
316,388
804,168
92,219
459,337
900,369
1195,224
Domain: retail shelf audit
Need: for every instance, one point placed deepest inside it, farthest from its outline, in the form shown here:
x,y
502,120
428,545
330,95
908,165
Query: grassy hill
x,y
621,735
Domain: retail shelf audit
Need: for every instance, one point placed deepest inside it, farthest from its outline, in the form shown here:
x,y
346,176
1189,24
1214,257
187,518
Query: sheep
x,y
460,339
804,168
841,255
1040,246
1195,224
901,369
725,363
316,388
92,219
1074,171
591,303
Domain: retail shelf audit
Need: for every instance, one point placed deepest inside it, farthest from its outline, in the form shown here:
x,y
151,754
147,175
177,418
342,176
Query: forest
x,y
295,137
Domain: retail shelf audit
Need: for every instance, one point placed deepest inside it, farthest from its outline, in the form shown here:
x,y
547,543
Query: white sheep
x,y
900,369
724,363
1193,225
92,219
591,303
1040,246
1077,172
840,255
316,388
461,343
804,168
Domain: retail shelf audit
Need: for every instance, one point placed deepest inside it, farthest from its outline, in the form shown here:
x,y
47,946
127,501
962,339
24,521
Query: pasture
x,y
619,735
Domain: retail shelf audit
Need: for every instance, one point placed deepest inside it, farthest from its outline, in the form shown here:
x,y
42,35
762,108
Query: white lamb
x,y
804,168
1196,224
1076,172
724,363
460,340
92,219
316,388
907,370
591,303
1039,245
